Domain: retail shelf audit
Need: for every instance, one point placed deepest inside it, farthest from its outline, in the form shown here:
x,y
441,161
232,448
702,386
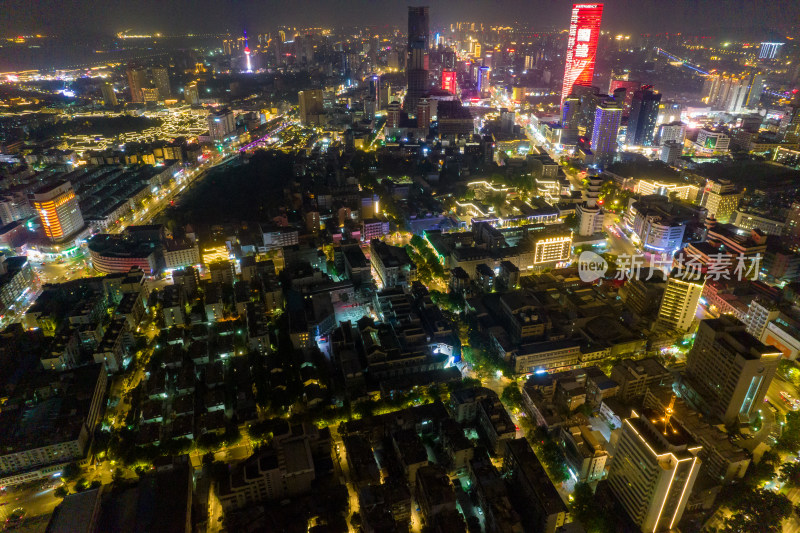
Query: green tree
x,y
61,491
512,396
790,474
790,436
757,510
71,472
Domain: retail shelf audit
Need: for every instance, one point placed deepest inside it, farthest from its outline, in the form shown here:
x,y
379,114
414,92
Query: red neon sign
x,y
584,30
449,81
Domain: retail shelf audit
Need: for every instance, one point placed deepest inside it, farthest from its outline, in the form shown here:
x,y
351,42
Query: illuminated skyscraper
x,y
654,469
311,109
607,116
644,112
161,81
449,81
221,124
584,30
679,304
137,80
58,210
191,94
109,96
728,371
417,60
483,80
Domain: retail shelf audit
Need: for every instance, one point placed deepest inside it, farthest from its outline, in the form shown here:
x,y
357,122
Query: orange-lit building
x,y
58,210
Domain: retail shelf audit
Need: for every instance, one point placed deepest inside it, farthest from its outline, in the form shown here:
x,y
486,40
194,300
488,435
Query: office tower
x,y
607,117
311,110
424,115
622,81
137,80
375,91
654,469
393,114
672,132
584,30
483,80
720,197
191,94
161,81
642,121
109,96
679,305
590,215
728,371
449,81
711,141
417,58
670,152
757,85
58,210
669,111
221,124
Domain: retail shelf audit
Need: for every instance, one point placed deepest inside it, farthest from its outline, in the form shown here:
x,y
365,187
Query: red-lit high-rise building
x,y
449,81
584,30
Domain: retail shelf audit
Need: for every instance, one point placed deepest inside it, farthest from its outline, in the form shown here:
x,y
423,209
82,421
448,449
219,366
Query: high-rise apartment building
x,y
137,80
679,304
584,31
58,210
221,124
607,117
417,56
191,93
654,469
311,106
644,113
728,371
109,96
161,81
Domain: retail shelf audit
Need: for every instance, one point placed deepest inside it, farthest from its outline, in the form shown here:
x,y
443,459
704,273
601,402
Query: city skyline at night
x,y
377,266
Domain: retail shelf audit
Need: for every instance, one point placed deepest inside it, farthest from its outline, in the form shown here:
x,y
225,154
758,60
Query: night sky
x,y
725,18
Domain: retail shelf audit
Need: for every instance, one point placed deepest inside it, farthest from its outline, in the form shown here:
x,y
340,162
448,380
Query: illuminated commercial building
x,y
642,121
709,142
728,371
679,305
769,50
137,80
655,466
449,81
58,210
607,117
672,132
584,31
